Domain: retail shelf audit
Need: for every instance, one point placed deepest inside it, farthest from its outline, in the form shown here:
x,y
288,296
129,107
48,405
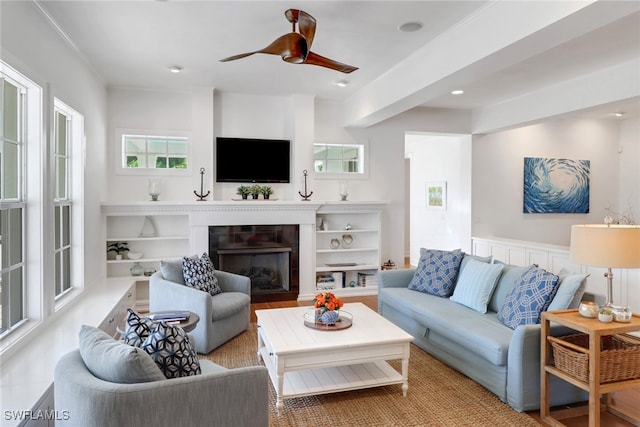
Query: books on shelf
x,y
171,316
325,281
367,279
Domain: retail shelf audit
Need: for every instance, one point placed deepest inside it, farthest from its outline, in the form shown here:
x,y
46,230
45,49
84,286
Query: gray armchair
x,y
222,317
217,397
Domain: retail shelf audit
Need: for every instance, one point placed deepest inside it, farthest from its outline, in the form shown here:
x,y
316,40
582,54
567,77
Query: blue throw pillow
x,y
529,298
437,272
115,361
570,290
476,284
200,274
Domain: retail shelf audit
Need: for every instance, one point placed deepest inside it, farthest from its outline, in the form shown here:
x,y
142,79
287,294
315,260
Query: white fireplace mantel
x,y
203,214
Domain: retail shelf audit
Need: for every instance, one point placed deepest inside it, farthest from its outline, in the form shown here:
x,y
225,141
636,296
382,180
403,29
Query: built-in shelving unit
x,y
348,247
158,237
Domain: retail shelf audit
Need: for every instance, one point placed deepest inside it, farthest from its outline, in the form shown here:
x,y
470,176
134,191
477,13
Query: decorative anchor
x,y
201,195
305,196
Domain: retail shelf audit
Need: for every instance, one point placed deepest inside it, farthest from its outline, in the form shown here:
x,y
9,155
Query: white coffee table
x,y
303,361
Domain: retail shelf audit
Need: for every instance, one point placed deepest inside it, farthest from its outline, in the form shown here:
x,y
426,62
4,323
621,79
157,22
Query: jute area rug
x,y
437,396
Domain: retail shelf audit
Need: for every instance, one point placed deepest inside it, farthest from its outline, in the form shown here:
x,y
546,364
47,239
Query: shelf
x,y
131,261
358,267
366,230
329,251
145,239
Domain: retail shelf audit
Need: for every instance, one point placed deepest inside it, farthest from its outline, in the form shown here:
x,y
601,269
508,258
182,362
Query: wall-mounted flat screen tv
x,y
252,160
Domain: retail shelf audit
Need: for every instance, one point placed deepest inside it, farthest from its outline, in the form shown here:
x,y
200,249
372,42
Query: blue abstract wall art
x,y
556,185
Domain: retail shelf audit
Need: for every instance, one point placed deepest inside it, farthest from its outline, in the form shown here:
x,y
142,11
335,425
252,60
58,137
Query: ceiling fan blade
x,y
234,57
292,47
315,59
306,23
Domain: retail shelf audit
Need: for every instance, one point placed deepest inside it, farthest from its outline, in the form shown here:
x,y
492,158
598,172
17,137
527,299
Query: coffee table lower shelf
x,y
310,382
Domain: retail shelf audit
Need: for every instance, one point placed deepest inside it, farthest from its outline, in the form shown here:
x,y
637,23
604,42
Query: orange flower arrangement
x,y
327,302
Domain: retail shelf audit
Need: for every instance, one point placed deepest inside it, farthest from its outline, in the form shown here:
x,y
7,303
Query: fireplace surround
x,y
266,253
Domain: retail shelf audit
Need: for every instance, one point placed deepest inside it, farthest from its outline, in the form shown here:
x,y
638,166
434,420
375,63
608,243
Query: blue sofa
x,y
505,361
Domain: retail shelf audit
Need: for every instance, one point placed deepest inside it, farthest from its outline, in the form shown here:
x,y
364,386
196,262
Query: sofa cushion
x,y
507,281
200,274
570,290
170,348
227,304
480,334
437,272
476,283
137,328
530,297
172,270
115,361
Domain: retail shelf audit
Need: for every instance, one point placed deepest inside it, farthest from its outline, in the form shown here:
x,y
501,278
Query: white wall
x,y
34,48
498,177
629,178
154,112
439,158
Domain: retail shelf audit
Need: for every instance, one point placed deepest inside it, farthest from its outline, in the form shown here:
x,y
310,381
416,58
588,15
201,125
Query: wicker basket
x,y
619,357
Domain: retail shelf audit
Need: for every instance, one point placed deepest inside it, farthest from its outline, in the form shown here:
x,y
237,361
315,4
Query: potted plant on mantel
x,y
243,191
119,248
255,191
266,191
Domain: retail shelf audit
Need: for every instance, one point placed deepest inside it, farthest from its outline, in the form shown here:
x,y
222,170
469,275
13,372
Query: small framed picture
x,y
437,195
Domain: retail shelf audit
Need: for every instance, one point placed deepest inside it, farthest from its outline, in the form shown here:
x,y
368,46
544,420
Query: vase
x,y
136,269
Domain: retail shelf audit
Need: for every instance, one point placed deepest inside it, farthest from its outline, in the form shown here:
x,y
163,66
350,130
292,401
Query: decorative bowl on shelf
x,y
134,255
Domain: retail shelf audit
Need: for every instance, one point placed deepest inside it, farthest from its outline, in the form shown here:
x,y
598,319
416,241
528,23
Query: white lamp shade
x,y
601,245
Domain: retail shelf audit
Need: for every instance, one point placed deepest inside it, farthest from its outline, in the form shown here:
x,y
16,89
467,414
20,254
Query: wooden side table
x,y
595,331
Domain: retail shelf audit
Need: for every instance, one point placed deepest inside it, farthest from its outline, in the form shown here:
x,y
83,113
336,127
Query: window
x,y
12,204
61,200
338,158
67,218
154,152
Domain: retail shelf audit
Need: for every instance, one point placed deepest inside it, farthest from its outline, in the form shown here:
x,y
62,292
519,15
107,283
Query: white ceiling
x,y
132,43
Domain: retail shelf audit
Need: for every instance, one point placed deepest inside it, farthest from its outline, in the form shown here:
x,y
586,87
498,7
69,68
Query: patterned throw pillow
x,y
529,298
170,347
137,328
200,274
437,271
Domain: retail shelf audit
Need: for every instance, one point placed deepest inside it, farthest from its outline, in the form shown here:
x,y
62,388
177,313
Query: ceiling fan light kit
x,y
295,47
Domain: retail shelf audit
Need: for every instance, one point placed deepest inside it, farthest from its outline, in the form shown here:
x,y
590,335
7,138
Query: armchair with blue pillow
x,y
221,299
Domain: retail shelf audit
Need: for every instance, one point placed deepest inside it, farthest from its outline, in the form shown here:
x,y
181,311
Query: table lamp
x,y
606,245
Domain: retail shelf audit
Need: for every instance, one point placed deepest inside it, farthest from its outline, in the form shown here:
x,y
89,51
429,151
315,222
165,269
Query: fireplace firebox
x,y
267,254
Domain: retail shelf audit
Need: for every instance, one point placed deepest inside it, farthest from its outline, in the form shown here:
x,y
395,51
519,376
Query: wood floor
x,y
628,399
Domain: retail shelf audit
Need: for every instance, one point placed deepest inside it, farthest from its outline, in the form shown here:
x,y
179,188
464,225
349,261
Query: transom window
x,y
154,152
338,158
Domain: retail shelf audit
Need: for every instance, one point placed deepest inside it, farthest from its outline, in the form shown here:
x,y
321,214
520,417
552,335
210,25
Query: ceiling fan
x,y
295,47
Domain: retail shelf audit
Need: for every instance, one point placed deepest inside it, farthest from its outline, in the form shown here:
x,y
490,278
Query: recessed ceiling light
x,y
617,114
342,83
457,92
410,27
175,68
